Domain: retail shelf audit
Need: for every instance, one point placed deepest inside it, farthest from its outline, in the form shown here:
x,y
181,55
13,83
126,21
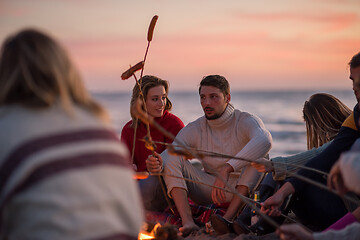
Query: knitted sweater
x,y
168,121
235,133
64,177
281,170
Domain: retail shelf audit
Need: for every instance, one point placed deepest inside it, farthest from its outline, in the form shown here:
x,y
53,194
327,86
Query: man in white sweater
x,y
223,129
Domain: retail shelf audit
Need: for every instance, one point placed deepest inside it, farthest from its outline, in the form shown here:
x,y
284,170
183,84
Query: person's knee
x,y
152,195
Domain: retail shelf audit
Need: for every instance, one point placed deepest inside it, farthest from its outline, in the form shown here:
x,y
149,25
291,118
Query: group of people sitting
x,y
65,174
331,127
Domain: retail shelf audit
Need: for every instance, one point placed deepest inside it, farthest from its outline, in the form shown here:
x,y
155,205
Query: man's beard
x,y
213,117
216,116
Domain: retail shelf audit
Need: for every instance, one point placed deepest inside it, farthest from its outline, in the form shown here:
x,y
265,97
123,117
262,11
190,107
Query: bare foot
x,y
186,229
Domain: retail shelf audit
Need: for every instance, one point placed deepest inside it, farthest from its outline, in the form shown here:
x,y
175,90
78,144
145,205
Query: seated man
x,y
223,129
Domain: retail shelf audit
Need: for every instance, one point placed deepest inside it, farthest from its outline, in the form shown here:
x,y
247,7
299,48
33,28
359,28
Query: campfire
x,y
144,234
158,232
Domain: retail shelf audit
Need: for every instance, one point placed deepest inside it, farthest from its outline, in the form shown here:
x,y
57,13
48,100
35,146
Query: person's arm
x,y
281,170
325,160
218,195
259,143
272,204
127,137
345,174
351,232
154,163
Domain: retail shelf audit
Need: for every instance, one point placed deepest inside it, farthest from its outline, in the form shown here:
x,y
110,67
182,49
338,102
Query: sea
x,y
281,112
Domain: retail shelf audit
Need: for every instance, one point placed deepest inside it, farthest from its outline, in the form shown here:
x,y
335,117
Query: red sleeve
x,y
173,124
127,135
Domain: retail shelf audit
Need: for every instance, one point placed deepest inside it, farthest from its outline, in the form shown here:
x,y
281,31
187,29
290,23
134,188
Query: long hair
x,y
148,82
36,72
323,115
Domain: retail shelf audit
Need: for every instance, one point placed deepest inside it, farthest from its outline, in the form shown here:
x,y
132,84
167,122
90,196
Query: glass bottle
x,y
254,216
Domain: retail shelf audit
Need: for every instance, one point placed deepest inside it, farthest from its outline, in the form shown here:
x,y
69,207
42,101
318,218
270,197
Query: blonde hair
x,y
36,72
323,115
148,82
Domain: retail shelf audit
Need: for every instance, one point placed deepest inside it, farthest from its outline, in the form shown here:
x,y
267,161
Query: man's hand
x,y
154,164
218,195
272,204
263,165
293,231
335,180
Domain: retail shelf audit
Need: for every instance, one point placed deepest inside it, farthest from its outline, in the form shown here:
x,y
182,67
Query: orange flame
x,y
146,235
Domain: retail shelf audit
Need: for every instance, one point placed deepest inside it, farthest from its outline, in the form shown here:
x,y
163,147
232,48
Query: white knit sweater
x,y
235,133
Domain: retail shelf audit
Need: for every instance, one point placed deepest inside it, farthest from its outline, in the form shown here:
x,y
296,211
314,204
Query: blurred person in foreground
x,y
63,172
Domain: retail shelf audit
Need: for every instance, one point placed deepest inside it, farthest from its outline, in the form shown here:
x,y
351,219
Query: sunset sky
x,y
256,45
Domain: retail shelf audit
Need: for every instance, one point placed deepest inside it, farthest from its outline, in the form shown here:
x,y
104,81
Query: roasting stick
x,y
189,152
149,39
231,189
305,179
215,154
149,144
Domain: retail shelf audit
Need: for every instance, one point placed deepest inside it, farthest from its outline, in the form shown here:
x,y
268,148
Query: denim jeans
x,y
152,194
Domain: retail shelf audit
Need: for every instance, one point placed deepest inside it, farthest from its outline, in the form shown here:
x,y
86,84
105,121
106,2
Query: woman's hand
x,y
154,164
263,165
272,205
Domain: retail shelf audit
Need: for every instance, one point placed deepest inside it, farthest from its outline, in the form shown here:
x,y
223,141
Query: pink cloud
x,y
332,21
252,57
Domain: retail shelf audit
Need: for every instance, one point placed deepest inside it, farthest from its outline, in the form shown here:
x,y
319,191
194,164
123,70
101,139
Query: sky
x,y
256,45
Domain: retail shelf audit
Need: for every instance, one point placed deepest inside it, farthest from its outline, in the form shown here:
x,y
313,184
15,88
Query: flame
x,y
146,235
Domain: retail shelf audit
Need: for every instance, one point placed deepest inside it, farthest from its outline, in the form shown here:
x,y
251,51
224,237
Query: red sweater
x,y
168,121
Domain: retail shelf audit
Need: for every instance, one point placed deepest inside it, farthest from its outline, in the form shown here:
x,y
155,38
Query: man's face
x,y
355,77
213,102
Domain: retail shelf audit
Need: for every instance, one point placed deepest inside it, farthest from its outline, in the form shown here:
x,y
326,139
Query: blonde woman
x,y
158,105
324,115
63,172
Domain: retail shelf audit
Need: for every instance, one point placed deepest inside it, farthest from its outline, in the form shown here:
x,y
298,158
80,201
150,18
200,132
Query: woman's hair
x,y
323,115
148,82
36,72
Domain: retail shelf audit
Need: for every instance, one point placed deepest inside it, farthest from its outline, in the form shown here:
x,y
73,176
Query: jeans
x,y
152,194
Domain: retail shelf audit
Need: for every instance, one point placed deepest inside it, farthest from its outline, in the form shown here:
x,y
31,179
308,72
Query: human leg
x,y
184,180
180,197
245,184
153,197
242,223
